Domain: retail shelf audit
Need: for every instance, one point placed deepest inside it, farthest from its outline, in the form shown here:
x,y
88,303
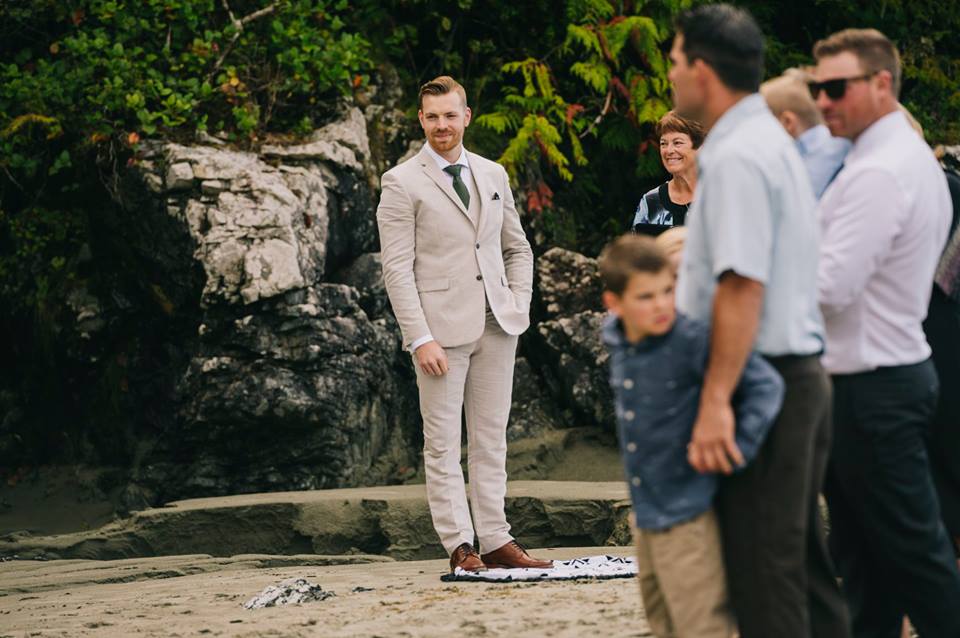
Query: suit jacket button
x,y
479,277
478,246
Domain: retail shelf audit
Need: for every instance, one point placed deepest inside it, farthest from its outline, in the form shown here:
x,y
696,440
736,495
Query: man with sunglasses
x,y
884,221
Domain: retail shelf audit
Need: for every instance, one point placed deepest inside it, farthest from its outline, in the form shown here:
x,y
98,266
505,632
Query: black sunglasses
x,y
837,88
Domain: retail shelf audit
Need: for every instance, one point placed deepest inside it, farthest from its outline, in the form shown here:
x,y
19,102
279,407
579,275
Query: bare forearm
x,y
736,317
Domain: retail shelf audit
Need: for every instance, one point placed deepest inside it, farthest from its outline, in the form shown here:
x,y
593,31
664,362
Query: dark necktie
x,y
458,185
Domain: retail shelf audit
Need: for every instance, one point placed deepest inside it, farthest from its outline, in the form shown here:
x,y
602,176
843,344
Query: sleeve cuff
x,y
419,342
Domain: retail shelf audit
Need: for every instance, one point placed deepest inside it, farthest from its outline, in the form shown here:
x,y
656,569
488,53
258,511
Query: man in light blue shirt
x,y
750,270
788,97
823,156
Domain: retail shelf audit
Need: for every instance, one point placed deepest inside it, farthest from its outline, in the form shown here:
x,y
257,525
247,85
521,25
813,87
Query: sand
x,y
64,598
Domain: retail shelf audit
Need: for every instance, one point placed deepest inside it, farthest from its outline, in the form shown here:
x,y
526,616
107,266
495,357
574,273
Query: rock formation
x,y
567,342
293,381
248,343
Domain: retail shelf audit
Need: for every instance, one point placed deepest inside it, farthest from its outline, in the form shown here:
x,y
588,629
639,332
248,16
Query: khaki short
x,y
682,580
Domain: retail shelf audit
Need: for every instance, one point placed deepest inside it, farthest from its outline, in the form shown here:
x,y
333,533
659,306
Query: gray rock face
x,y
290,383
580,365
571,356
568,282
365,274
259,231
533,411
343,142
307,386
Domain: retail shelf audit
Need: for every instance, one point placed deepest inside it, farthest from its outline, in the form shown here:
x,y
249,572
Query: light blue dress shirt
x,y
753,214
823,154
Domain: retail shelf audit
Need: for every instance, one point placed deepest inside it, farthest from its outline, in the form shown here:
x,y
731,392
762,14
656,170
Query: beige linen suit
x,y
464,275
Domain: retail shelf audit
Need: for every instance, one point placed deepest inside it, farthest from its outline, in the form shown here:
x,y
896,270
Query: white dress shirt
x,y
464,175
443,163
884,221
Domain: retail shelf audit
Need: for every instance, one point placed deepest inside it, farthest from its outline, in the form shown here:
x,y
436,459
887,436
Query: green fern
x,y
596,76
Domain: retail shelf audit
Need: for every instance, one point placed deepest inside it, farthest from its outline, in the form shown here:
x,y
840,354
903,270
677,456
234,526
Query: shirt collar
x,y
443,163
877,133
813,137
612,331
745,109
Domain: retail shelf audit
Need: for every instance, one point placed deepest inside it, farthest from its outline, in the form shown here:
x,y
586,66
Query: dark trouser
x,y
782,582
886,534
942,328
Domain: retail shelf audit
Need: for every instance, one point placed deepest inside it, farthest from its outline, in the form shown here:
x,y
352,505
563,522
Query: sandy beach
x,y
198,595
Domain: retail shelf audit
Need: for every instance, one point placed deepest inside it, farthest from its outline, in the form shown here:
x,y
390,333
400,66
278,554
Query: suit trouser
x,y
782,582
942,327
890,545
480,382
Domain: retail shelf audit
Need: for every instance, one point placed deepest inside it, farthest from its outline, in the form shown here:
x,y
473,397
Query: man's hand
x,y
432,359
712,447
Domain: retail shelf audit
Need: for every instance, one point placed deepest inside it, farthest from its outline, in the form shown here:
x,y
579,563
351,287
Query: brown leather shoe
x,y
466,557
513,555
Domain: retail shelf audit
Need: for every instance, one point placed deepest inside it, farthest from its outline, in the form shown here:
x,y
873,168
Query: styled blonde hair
x,y
790,93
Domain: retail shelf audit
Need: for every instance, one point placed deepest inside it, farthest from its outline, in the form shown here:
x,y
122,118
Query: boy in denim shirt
x,y
657,363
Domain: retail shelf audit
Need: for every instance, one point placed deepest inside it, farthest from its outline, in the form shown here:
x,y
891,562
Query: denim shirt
x,y
656,386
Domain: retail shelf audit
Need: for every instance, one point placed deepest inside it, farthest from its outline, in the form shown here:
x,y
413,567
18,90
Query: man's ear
x,y
703,71
884,81
467,115
789,120
611,301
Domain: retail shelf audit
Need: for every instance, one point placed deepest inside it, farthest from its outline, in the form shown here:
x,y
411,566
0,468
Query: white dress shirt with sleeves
x,y
884,222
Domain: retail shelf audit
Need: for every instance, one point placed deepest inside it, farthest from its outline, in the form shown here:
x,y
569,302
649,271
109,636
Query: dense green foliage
x,y
565,94
83,81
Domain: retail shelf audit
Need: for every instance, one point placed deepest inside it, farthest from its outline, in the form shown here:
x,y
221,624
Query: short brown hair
x,y
441,86
671,122
627,256
874,50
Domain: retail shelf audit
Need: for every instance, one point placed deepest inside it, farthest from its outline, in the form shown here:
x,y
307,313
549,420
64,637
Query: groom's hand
x,y
431,358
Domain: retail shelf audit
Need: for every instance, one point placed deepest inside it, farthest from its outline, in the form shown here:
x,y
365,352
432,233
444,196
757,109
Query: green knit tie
x,y
458,185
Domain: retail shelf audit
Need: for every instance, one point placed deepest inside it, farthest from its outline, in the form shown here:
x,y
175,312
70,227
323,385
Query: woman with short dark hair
x,y
667,204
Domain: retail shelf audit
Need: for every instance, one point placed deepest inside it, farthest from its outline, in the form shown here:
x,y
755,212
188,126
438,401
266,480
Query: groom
x,y
459,274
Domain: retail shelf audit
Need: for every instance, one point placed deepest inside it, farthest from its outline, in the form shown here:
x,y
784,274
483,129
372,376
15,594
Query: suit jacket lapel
x,y
433,172
485,186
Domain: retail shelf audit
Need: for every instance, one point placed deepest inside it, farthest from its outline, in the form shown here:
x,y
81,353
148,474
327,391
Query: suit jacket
x,y
438,267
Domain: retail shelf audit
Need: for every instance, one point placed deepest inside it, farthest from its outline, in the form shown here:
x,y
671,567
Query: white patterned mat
x,y
599,567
